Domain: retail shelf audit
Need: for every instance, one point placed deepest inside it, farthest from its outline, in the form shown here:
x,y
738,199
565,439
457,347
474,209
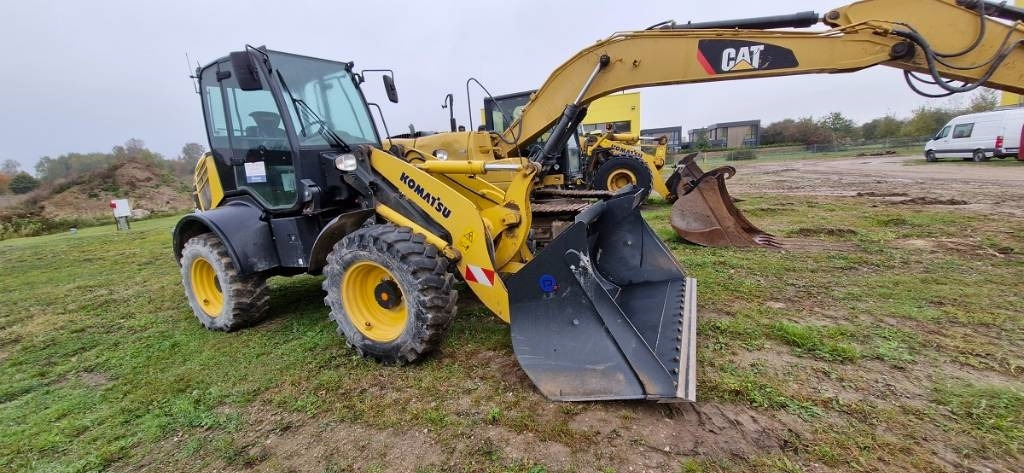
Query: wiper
x,y
332,138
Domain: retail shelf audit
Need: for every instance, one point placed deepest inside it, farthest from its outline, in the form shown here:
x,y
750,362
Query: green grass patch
x,y
994,414
754,386
826,343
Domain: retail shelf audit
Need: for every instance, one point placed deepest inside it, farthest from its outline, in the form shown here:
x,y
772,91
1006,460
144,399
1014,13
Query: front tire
x,y
930,156
619,171
220,298
390,293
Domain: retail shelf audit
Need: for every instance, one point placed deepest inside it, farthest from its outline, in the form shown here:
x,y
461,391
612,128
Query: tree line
x,y
835,128
49,169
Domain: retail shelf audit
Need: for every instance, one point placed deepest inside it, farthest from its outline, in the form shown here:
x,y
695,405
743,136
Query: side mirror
x,y
245,71
389,87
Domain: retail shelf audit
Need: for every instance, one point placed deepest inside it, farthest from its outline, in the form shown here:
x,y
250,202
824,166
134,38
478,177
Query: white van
x,y
978,136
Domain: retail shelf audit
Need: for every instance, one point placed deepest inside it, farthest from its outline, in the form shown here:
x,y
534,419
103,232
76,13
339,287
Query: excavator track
x,y
577,194
558,207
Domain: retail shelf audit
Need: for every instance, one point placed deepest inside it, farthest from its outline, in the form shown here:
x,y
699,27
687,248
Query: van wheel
x,y
979,156
930,156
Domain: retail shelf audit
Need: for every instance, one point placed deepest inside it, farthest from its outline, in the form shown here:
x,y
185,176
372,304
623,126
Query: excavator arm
x,y
944,39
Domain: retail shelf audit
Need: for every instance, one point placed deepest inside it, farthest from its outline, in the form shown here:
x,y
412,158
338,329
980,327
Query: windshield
x,y
321,94
511,105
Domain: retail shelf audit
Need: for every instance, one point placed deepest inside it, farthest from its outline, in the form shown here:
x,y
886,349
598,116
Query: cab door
x,y
248,138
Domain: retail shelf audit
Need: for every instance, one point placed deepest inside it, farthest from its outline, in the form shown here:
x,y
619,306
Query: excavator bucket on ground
x,y
704,213
605,312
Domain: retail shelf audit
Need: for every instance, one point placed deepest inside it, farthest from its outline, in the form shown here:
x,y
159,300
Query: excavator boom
x,y
905,34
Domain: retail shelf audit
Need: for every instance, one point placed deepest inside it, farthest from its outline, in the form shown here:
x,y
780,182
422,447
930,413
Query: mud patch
x,y
930,201
955,245
822,231
94,379
525,448
882,194
505,368
88,378
646,437
811,245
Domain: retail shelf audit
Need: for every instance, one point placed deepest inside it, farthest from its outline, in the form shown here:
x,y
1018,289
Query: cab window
x,y
942,133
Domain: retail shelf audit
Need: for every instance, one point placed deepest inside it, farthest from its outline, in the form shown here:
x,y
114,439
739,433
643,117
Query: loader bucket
x,y
704,213
605,312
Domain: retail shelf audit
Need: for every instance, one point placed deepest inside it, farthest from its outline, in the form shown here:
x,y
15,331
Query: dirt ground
x,y
989,188
648,437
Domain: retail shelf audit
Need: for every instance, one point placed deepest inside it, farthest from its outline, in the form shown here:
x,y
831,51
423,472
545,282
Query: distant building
x,y
745,134
621,110
673,133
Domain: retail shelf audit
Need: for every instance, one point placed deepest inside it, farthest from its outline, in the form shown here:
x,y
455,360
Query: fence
x,y
855,148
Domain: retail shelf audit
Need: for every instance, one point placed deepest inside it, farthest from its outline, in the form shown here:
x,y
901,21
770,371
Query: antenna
x,y
501,136
192,75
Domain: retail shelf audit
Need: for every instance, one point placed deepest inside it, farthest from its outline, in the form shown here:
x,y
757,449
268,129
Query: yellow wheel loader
x,y
299,181
615,160
915,36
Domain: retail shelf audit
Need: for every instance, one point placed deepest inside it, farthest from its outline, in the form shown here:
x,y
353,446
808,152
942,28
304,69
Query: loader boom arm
x,y
896,33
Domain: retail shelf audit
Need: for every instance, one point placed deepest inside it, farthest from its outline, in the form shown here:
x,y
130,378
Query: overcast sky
x,y
85,76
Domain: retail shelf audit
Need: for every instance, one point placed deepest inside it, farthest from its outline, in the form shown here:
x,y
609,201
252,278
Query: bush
x,y
741,155
23,183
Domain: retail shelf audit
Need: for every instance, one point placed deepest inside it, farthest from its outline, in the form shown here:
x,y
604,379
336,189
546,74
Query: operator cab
x,y
501,111
273,117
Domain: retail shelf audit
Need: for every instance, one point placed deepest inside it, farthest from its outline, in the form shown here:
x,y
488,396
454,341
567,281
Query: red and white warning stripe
x,y
479,275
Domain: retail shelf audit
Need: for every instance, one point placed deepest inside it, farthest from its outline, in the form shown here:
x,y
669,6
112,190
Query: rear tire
x,y
619,171
390,293
930,156
220,298
979,156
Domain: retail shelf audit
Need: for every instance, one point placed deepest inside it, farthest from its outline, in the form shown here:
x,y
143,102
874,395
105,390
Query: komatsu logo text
x,y
733,56
432,200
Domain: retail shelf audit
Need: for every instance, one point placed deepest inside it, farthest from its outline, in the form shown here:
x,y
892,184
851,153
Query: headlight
x,y
345,162
441,154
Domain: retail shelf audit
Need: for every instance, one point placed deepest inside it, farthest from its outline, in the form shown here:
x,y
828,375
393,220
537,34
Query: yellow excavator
x,y
298,181
671,53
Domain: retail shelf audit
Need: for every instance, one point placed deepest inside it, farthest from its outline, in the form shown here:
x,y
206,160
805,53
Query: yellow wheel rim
x,y
620,178
369,293
206,287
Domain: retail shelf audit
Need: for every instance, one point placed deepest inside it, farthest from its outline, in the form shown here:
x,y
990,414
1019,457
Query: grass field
x,y
884,339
